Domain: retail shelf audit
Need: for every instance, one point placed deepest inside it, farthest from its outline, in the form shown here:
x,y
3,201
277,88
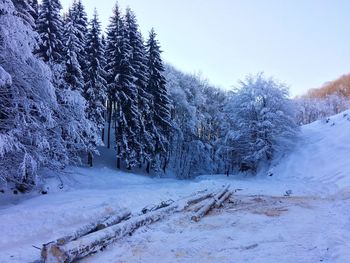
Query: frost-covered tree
x,y
160,110
77,15
313,109
72,47
263,121
78,134
35,9
195,117
144,98
26,11
122,91
50,28
96,86
27,104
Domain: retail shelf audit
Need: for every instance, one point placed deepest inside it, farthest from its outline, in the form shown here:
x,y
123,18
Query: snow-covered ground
x,y
313,225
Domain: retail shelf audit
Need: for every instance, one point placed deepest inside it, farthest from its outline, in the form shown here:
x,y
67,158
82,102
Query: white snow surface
x,y
312,225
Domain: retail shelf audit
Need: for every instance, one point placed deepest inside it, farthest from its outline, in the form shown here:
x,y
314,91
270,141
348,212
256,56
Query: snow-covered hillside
x,y
262,225
321,156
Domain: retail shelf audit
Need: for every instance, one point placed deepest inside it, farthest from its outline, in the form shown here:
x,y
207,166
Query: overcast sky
x,y
303,43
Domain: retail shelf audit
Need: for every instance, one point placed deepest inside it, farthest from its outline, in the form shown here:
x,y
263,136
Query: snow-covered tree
x,y
26,11
96,86
313,109
160,110
27,104
72,47
78,16
144,98
263,120
122,91
50,28
195,116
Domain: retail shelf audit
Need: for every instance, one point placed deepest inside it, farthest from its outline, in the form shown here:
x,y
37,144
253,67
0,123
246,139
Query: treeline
x,y
62,81
227,132
332,98
65,89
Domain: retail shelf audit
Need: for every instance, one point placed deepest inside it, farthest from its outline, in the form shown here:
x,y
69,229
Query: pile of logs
x,y
96,236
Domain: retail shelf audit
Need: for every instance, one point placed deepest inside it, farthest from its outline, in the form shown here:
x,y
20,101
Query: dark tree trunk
x,y
148,167
90,158
109,124
118,156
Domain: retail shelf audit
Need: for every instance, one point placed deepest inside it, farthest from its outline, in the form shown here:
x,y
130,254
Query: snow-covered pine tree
x,y
96,86
161,104
139,63
27,104
35,9
50,28
72,46
78,15
123,91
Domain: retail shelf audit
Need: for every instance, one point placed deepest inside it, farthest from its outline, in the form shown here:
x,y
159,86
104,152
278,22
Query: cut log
x,y
209,205
163,204
91,243
113,220
196,207
91,227
197,199
223,199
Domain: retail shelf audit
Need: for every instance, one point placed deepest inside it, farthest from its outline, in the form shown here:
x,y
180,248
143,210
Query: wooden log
x,y
113,220
223,199
197,199
91,243
163,204
209,205
93,226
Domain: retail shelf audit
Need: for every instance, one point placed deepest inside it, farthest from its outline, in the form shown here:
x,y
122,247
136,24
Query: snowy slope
x,y
311,226
321,156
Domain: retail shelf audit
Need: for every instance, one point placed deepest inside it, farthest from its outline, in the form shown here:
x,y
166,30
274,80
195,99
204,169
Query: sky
x,y
303,43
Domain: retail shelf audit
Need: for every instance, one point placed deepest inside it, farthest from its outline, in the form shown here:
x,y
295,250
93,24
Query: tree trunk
x,y
103,135
148,167
109,124
90,158
118,156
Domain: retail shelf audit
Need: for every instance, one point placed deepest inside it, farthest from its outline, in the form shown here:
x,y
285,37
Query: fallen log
x,y
198,199
94,226
163,204
223,199
209,205
93,242
113,220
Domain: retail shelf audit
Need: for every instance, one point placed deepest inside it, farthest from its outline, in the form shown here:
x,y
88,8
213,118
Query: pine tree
x,y
50,28
161,103
72,46
123,91
35,9
78,15
139,63
96,86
